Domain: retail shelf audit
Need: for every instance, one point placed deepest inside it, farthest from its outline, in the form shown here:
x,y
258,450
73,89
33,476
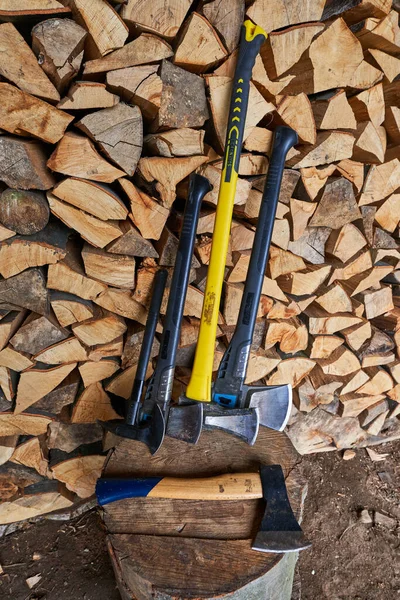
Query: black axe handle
x,y
233,367
160,385
147,343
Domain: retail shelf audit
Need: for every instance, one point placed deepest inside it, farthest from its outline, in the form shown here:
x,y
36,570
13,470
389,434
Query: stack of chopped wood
x,y
105,111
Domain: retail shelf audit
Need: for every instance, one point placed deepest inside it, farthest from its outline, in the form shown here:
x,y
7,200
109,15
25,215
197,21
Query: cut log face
x,y
168,172
99,330
107,31
335,113
381,181
19,65
169,18
113,269
22,9
23,164
118,131
23,114
59,45
24,212
296,112
93,405
276,14
147,214
369,105
36,334
97,200
36,383
84,95
27,290
226,20
76,155
97,232
329,147
199,47
287,46
80,474
147,48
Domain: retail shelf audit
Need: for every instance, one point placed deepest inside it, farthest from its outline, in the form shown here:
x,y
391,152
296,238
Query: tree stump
x,y
178,549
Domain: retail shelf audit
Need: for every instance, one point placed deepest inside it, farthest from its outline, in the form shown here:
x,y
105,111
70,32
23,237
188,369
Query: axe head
x,y
279,531
242,422
273,403
149,432
185,422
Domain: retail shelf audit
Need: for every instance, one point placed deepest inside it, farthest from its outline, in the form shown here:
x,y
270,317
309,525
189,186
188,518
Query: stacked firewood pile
x,y
105,110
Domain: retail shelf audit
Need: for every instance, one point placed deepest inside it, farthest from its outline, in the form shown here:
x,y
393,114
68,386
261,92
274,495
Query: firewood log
x,y
139,85
274,15
226,20
84,95
59,45
23,164
199,47
23,212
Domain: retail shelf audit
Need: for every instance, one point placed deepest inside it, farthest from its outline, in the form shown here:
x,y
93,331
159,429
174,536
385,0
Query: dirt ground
x,y
349,560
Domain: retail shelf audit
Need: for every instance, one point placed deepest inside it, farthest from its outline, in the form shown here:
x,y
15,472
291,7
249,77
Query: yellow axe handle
x,y
199,387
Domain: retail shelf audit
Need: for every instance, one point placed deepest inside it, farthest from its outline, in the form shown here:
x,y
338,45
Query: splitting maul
x,y
279,530
272,403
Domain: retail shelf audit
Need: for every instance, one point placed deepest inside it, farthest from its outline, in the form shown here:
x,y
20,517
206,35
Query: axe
x,y
273,403
279,531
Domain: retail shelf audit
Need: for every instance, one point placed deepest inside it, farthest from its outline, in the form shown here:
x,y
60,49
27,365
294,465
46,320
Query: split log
x,y
97,232
80,474
92,372
388,214
354,11
337,206
380,34
183,99
168,172
19,65
276,14
324,345
36,334
27,290
226,20
59,44
71,279
296,112
303,283
378,302
199,48
113,269
345,243
121,385
94,198
43,248
283,263
70,309
314,179
369,105
329,147
392,123
357,335
23,114
24,212
28,424
131,243
107,31
213,174
69,436
365,76
14,360
99,330
335,300
291,370
76,155
291,335
370,143
118,131
36,382
132,347
284,49
381,181
84,95
23,164
24,8
169,17
30,454
146,48
353,171
335,113
141,86
390,65
122,303
147,214
93,405
67,351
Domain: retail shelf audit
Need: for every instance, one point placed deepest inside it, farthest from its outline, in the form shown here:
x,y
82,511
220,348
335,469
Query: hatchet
x,y
279,531
273,403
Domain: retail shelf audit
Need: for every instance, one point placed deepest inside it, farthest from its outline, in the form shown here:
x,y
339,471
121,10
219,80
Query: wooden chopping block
x,y
189,549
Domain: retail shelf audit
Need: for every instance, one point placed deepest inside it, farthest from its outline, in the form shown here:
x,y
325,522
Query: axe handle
x,y
199,387
233,367
160,385
147,344
236,486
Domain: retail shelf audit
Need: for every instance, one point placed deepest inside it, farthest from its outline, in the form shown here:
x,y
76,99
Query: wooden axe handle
x,y
235,486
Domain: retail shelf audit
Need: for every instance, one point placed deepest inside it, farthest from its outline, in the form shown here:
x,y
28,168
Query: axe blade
x,y
280,531
273,402
185,422
243,422
150,432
